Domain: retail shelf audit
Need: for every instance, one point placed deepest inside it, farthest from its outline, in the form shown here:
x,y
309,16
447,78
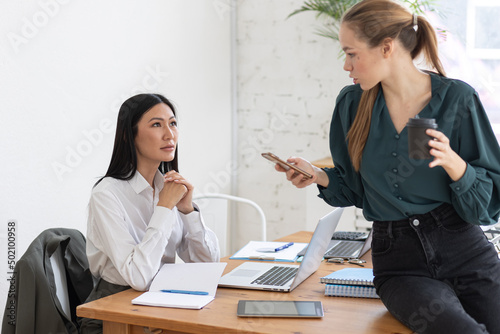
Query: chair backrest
x,y
215,215
214,208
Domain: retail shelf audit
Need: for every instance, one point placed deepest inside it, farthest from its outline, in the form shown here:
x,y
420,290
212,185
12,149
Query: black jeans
x,y
437,273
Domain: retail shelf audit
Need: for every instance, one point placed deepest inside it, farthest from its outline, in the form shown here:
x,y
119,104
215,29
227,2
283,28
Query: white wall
x,y
65,68
288,80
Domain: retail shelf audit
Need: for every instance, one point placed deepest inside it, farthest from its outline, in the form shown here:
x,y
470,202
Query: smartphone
x,y
286,165
280,309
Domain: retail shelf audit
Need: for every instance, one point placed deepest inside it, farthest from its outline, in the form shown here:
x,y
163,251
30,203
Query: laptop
x,y
285,277
348,249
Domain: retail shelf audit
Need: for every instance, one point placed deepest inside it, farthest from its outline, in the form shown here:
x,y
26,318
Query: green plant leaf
x,y
333,10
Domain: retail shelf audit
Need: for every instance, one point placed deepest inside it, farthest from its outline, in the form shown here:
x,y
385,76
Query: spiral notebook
x,y
356,291
350,276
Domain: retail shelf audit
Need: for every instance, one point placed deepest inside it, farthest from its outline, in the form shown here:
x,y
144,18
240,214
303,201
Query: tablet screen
x,y
269,308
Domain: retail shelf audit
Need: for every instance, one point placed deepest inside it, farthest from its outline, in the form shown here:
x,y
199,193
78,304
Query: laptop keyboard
x,y
349,235
345,248
276,276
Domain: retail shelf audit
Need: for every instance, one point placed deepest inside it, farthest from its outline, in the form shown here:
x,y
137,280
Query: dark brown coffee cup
x,y
418,140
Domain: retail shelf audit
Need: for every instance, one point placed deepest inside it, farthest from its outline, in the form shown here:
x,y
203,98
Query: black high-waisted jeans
x,y
437,273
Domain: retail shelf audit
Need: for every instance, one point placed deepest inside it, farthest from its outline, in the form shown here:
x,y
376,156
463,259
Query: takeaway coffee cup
x,y
418,139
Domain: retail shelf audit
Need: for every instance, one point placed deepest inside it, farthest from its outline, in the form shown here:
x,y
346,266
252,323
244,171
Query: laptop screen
x,y
317,246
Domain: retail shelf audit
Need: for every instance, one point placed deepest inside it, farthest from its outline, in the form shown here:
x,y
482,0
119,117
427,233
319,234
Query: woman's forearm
x,y
321,177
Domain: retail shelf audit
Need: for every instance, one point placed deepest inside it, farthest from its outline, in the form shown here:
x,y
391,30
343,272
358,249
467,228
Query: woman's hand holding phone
x,y
298,179
299,171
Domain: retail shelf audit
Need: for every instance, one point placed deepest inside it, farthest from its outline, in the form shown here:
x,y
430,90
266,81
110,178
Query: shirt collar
x,y
139,183
438,88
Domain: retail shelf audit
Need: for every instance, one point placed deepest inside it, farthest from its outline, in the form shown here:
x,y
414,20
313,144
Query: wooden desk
x,y
322,163
342,315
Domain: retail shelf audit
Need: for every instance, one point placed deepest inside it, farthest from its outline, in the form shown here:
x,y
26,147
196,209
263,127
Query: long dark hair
x,y
372,22
123,165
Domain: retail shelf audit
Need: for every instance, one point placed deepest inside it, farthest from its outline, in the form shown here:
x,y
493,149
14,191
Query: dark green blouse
x,y
390,186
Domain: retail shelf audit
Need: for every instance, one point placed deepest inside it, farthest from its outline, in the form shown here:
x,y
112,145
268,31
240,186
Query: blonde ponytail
x,y
428,44
358,133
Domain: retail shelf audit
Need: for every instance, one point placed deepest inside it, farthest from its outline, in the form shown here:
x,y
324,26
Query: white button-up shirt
x,y
129,237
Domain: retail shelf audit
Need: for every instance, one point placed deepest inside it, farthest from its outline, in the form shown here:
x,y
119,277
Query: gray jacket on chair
x,y
32,305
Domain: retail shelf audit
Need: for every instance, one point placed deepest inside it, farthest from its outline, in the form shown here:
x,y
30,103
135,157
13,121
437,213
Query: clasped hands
x,y
177,191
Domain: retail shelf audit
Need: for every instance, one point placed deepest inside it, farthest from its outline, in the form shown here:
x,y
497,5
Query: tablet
x,y
281,309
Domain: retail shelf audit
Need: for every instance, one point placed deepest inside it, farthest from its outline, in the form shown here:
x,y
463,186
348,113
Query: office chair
x,y
51,279
217,222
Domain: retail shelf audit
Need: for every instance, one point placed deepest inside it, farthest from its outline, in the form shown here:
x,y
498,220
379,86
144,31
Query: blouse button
x,y
396,136
396,185
400,198
394,154
457,188
395,170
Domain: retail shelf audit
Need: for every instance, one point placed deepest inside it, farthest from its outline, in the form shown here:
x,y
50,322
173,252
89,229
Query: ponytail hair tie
x,y
415,22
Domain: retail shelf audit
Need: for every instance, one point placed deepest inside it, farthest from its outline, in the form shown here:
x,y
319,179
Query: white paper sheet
x,y
250,251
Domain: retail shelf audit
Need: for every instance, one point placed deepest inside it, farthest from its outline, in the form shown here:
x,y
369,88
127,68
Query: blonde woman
x,y
434,269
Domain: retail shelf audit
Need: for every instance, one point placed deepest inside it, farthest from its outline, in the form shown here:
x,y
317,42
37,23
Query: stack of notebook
x,y
350,282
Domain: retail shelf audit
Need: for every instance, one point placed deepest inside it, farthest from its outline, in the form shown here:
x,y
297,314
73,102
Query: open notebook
x,y
285,277
183,285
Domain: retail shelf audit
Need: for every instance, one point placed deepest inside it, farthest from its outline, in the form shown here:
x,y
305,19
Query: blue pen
x,y
283,247
277,249
187,292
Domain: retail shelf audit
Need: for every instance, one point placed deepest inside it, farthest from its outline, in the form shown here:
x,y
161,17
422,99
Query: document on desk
x,y
270,251
183,285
